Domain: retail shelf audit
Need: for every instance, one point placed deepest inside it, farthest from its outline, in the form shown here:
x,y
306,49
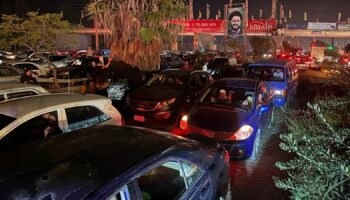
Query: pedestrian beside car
x,y
28,77
102,78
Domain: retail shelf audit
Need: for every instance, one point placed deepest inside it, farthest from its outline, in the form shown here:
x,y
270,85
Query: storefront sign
x,y
259,26
201,26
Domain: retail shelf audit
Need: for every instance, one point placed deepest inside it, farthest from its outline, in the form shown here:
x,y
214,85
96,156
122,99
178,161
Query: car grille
x,y
143,105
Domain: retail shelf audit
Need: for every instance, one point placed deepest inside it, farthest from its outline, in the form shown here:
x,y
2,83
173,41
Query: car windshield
x,y
229,97
169,80
5,120
266,73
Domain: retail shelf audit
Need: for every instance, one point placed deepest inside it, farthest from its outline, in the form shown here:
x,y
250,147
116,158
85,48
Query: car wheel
x,y
256,146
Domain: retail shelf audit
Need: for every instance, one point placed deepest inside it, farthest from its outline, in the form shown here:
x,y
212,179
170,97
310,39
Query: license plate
x,y
139,118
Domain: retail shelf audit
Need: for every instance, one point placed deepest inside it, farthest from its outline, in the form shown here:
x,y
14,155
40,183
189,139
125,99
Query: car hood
x,y
155,93
217,120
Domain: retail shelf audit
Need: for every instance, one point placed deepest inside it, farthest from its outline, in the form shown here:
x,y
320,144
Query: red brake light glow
x,y
183,122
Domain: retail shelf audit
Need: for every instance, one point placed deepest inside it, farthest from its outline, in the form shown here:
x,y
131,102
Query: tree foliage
x,y
320,139
139,28
260,45
36,31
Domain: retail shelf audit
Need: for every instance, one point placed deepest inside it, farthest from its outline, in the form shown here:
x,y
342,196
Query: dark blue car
x,y
116,163
233,111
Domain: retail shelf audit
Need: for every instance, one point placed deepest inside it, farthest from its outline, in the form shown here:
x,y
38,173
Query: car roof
x,y
273,62
237,82
21,106
16,68
90,157
12,86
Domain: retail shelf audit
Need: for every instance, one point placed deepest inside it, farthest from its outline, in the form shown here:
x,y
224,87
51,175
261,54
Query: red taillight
x,y
227,157
283,55
122,121
183,122
346,60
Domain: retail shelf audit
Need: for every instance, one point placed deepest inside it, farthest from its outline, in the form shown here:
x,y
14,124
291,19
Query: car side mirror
x,y
263,109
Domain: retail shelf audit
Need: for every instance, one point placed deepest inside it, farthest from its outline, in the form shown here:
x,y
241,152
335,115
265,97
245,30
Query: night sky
x,y
323,10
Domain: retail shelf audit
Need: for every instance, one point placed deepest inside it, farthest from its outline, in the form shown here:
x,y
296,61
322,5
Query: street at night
x,y
174,99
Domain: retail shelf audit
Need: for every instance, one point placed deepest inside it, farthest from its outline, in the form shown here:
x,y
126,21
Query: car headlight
x,y
0,62
166,103
279,92
243,133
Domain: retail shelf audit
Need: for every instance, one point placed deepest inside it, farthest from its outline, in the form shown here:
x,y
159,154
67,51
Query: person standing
x,y
28,77
103,77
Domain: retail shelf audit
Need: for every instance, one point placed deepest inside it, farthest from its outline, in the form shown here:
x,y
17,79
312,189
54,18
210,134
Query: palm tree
x,y
95,11
139,29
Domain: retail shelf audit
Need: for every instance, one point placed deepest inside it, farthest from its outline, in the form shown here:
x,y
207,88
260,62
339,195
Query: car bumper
x,y
149,119
238,149
279,101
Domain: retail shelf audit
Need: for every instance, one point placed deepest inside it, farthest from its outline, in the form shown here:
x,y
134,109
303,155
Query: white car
x,y
10,91
42,70
24,120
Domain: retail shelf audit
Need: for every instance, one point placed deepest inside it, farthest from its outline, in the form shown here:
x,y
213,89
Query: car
x,y
24,120
112,162
233,111
164,98
41,69
280,76
344,60
10,73
42,58
16,90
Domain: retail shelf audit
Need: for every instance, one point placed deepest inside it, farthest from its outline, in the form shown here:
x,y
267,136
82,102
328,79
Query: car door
x,y
32,128
9,75
263,98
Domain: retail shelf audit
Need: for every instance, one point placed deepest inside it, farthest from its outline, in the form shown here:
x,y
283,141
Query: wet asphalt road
x,y
253,179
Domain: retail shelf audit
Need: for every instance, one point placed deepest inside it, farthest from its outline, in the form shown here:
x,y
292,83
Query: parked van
x,y
280,76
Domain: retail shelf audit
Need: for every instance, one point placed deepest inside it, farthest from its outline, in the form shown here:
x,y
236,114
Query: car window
x,y
84,116
168,80
192,172
122,194
229,97
27,66
163,182
5,120
40,127
267,73
14,95
8,72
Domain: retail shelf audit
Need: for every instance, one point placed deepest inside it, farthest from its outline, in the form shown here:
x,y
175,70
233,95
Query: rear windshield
x,y
5,120
266,73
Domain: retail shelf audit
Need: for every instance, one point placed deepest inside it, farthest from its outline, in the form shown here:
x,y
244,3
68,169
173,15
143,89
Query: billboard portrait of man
x,y
235,22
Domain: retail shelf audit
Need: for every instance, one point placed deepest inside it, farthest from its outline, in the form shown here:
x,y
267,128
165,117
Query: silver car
x,y
10,91
28,119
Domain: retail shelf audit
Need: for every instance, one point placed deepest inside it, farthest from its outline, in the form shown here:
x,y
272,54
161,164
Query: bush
x,y
320,139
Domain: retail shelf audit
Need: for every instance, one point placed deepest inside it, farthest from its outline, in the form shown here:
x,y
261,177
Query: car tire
x,y
256,145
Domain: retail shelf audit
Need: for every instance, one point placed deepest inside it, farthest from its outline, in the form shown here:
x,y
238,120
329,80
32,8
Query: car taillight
x,y
183,122
346,60
165,103
227,157
243,133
